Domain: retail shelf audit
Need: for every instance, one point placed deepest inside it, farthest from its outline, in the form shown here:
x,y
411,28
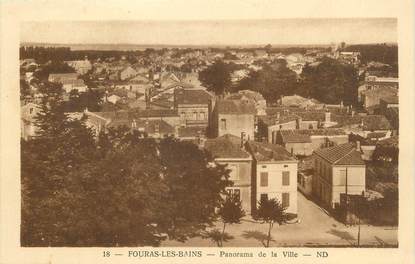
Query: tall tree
x,y
216,77
231,212
271,81
195,186
271,211
330,82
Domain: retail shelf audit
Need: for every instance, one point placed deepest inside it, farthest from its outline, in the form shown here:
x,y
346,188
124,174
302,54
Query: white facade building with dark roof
x,y
338,170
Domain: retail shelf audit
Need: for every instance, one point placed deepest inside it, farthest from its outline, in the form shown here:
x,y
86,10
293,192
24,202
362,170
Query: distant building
x,y
376,88
304,142
338,170
127,73
234,117
80,66
251,97
69,81
193,106
102,121
229,150
275,174
365,125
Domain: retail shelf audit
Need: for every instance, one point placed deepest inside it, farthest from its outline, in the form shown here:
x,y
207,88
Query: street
x,y
315,229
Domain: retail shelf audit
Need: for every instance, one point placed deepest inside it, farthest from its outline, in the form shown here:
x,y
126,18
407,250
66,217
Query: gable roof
x,y
268,152
226,146
235,107
192,96
304,135
344,154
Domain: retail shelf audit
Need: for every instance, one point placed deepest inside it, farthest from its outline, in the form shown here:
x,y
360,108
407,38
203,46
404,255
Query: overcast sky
x,y
220,32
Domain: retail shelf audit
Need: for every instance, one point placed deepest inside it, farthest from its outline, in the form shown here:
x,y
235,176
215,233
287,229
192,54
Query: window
x,y
195,115
285,199
223,124
183,115
285,166
264,179
285,178
264,166
264,196
202,116
31,110
310,126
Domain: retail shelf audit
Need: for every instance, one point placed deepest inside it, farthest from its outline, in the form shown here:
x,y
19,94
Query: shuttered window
x,y
285,199
264,179
285,178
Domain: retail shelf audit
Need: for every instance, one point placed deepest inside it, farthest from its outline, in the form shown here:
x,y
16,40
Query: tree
x,y
52,67
271,211
272,81
330,82
216,78
195,187
231,212
24,89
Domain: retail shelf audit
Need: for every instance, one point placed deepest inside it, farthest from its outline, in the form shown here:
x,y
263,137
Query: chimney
x,y
358,145
353,113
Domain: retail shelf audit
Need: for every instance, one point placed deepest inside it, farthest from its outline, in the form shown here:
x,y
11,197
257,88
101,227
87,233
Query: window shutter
x,y
285,178
264,179
285,199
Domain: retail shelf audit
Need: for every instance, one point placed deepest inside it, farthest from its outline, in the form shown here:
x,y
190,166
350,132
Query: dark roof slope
x,y
193,131
192,96
368,122
268,152
235,107
344,154
226,146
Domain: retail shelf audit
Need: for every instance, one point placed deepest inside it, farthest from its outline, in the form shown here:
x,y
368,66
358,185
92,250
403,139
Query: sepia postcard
x,y
207,132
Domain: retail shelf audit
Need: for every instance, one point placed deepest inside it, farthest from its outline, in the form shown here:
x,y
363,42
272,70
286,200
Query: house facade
x,y
229,150
338,170
274,175
193,106
234,117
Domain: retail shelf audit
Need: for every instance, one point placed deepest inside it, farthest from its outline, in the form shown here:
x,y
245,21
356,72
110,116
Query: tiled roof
x,y
344,154
235,107
304,135
192,131
192,96
294,136
370,122
268,152
283,118
226,146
